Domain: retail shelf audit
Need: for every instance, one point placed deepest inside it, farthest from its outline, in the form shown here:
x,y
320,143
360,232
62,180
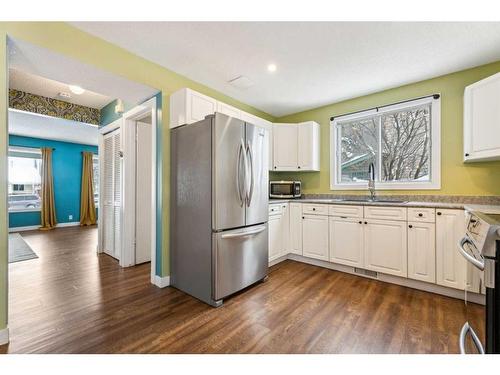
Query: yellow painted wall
x,y
457,178
67,40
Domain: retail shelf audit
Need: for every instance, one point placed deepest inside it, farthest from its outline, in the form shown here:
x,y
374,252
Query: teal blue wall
x,y
67,172
108,114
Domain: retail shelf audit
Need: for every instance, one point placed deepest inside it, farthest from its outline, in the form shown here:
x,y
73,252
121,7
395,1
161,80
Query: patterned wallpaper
x,y
52,107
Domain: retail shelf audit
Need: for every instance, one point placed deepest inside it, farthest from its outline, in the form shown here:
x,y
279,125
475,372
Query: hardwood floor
x,y
71,300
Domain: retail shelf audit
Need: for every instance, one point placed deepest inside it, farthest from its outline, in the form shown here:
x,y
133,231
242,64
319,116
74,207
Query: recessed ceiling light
x,y
272,68
76,89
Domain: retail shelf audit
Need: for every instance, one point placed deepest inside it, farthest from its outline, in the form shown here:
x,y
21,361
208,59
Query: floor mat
x,y
19,250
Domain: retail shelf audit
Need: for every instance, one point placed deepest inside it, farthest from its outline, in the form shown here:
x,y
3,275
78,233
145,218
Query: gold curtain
x,y
87,206
48,211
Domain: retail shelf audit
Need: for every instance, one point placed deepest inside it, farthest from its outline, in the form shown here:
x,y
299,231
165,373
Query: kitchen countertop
x,y
485,208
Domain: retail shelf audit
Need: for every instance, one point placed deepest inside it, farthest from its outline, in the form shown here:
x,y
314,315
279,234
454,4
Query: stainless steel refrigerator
x,y
219,207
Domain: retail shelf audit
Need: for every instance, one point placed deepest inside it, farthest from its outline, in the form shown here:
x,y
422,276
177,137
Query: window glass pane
x,y
358,148
406,145
24,181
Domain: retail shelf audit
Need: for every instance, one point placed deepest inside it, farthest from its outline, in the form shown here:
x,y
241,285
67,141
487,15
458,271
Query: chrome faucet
x,y
371,181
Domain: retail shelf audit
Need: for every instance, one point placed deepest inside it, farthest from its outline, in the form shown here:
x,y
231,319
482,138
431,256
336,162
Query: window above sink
x,y
402,140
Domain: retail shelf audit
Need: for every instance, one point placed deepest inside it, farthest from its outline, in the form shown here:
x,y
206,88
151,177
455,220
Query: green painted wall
x,y
67,40
457,178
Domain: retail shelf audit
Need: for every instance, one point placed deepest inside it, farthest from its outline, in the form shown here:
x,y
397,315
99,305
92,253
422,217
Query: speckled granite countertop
x,y
482,204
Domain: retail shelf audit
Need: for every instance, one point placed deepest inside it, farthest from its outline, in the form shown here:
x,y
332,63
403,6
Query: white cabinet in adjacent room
x,y
295,228
188,106
482,120
285,147
386,247
422,251
315,236
450,264
346,241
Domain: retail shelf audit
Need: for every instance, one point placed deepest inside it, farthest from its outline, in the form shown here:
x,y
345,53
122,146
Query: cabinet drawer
x,y
315,209
385,213
275,209
425,215
345,210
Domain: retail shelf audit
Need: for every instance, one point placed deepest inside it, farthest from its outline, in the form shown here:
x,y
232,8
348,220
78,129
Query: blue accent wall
x,y
67,174
108,114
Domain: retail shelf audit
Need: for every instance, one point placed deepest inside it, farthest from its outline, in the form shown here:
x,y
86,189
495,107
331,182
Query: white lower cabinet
x,y
295,234
450,264
386,247
276,244
422,251
346,241
315,236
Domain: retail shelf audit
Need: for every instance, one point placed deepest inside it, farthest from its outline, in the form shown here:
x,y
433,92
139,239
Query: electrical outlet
x,y
70,217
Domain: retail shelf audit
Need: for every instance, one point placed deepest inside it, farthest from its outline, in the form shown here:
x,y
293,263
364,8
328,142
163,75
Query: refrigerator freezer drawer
x,y
241,259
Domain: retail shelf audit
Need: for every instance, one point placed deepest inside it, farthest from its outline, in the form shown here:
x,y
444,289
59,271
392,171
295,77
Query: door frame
x,y
128,139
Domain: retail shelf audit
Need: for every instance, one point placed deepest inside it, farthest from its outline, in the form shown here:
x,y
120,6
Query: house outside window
x,y
24,182
401,140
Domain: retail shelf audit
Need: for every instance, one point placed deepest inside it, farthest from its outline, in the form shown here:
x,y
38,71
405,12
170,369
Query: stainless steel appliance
x,y
285,189
481,248
219,207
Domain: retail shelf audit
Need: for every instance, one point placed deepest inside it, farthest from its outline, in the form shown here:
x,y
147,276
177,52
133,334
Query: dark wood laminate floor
x,y
71,300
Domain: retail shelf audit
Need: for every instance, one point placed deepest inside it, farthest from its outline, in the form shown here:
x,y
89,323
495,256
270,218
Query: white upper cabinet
x,y
188,106
228,110
308,146
285,147
482,120
296,147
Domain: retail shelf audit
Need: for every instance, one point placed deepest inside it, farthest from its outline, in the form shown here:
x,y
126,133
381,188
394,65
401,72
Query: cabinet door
x,y
228,110
422,251
199,106
385,247
450,264
308,146
275,236
315,236
285,228
295,228
285,147
482,120
346,241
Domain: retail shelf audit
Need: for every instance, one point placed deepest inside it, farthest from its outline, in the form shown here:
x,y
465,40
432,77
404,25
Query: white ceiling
x,y
46,127
318,62
34,84
45,63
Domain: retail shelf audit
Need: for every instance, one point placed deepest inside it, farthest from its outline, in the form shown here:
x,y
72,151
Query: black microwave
x,y
285,189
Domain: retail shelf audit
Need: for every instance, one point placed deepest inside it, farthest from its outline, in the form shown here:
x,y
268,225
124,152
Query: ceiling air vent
x,y
64,95
241,82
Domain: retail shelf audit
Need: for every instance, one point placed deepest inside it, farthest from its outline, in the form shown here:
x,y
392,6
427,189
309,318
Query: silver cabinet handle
x,y
467,256
238,162
250,192
463,335
244,233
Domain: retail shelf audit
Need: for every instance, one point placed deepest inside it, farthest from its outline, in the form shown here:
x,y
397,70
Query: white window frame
x,y
435,178
24,150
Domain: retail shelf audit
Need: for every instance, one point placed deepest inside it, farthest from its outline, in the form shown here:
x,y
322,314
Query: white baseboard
x,y
410,283
4,336
35,227
161,282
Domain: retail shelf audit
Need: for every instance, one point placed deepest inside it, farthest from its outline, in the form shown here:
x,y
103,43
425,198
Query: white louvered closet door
x,y
112,172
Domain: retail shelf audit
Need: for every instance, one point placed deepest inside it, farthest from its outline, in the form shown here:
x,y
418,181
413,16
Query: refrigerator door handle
x,y
238,173
250,189
244,233
463,335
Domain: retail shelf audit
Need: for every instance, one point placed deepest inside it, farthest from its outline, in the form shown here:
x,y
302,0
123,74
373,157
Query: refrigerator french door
x,y
240,178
